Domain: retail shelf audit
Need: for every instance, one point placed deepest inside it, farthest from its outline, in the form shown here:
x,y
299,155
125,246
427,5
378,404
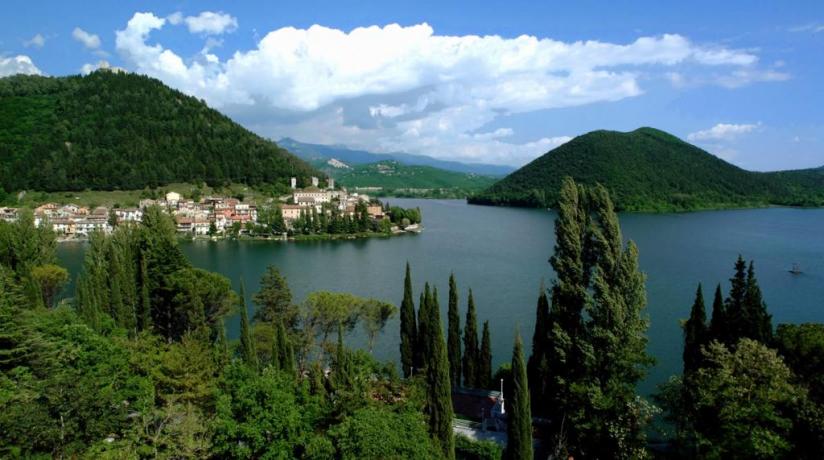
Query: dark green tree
x,y
409,327
519,413
274,300
735,313
247,346
484,371
439,389
696,334
759,322
538,364
472,353
453,342
424,328
718,320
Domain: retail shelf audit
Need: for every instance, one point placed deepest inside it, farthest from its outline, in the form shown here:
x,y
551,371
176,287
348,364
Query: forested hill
x,y
650,170
112,130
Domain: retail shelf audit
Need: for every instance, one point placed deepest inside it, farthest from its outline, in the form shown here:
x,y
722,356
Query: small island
x,y
310,213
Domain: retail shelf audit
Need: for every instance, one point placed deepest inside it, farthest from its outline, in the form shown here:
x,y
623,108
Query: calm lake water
x,y
502,253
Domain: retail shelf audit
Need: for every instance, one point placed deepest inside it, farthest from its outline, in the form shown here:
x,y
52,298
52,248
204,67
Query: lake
x,y
502,254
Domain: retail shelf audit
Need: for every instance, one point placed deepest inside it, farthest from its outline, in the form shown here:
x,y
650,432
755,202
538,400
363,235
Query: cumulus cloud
x,y
722,132
18,65
37,41
208,22
90,41
408,88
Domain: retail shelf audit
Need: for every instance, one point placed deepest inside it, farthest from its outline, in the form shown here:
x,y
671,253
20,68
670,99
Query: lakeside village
x,y
311,212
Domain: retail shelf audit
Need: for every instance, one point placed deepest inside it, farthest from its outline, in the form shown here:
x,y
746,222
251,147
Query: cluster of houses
x,y
206,216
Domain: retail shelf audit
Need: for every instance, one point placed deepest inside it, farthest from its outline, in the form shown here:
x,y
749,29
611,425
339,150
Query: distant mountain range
x,y
313,152
116,130
651,170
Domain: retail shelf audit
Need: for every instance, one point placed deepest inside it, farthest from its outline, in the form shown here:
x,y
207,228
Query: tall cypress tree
x,y
696,334
759,322
285,349
425,327
276,344
484,376
419,339
538,366
471,351
221,342
453,343
247,345
144,315
519,415
718,321
439,394
409,327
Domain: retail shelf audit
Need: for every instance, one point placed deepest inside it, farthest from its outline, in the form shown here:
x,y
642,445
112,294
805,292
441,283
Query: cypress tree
x,y
484,376
471,352
759,322
424,342
286,352
718,321
144,315
409,328
222,343
696,334
537,366
453,343
276,344
519,415
247,345
439,394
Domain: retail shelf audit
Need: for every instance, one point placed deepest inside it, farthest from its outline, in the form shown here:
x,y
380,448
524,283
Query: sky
x,y
493,82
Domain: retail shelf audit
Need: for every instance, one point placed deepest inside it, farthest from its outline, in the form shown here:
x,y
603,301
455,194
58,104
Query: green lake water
x,y
502,254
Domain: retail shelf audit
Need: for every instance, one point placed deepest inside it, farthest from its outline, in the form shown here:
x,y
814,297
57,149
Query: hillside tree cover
x,y
116,130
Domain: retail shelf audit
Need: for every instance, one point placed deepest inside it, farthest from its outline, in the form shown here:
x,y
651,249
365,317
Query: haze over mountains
x,y
650,170
312,152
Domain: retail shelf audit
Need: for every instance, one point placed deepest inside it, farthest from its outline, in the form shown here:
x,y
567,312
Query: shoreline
x,y
410,230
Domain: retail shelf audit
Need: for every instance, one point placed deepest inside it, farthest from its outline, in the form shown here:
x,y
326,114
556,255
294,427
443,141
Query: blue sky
x,y
502,82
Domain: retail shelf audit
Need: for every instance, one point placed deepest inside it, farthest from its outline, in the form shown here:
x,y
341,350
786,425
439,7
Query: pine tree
x,y
759,322
471,352
537,366
409,327
247,345
519,415
735,314
439,390
453,342
696,334
718,321
484,375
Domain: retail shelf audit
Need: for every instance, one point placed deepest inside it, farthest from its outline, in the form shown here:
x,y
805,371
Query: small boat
x,y
796,270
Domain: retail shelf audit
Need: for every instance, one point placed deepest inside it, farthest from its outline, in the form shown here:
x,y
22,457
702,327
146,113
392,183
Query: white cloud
x,y
208,22
18,65
37,41
90,41
812,27
89,68
408,88
722,132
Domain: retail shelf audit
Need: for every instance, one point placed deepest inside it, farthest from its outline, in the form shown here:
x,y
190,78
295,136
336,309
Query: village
x,y
216,216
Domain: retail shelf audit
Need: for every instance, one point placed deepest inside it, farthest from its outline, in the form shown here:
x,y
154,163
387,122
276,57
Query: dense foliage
x,y
650,170
112,130
743,393
394,176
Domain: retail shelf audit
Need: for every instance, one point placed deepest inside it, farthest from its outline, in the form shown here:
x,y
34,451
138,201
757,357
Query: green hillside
x,y
113,130
650,170
393,175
